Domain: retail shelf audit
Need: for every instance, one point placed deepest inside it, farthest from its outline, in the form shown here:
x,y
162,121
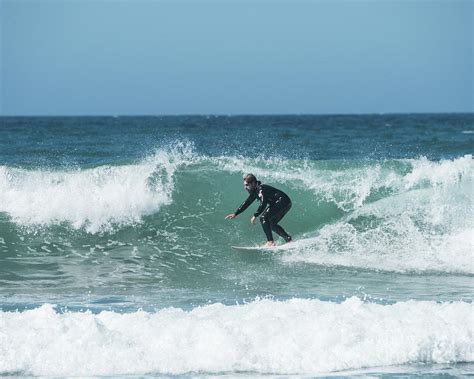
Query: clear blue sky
x,y
235,57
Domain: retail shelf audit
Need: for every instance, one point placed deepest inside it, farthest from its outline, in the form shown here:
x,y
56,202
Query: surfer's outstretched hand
x,y
230,217
252,220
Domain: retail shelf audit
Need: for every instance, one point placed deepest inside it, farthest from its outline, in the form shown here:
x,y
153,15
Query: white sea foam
x,y
420,230
390,247
292,337
399,242
93,198
442,173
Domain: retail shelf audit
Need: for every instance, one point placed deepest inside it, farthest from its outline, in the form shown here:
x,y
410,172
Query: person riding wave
x,y
274,204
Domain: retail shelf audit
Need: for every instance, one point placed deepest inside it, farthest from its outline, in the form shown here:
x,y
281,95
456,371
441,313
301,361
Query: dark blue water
x,y
51,141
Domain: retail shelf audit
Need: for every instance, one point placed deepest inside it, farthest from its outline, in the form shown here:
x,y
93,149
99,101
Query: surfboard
x,y
261,248
295,244
251,248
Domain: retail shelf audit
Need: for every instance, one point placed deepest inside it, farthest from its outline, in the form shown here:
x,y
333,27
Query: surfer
x,y
274,204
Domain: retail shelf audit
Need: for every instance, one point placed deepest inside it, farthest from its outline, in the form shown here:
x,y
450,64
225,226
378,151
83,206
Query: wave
x,y
350,184
398,215
96,199
406,215
297,336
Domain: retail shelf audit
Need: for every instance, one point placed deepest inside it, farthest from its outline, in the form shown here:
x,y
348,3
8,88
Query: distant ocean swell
x,y
296,336
398,215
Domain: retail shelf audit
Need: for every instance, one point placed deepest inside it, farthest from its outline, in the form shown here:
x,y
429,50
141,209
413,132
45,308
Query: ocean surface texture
x,y
115,257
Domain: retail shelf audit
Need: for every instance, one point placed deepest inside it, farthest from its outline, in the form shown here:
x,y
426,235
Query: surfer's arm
x,y
263,204
260,209
245,204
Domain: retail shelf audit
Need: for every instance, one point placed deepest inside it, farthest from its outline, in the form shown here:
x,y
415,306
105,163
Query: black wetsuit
x,y
274,204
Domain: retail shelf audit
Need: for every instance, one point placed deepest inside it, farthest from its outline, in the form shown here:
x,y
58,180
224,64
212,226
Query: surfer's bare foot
x,y
269,244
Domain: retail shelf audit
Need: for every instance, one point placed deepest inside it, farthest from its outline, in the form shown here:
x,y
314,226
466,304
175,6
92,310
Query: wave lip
x,y
298,336
94,198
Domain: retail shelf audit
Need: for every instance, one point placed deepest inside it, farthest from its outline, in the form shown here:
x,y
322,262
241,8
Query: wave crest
x,y
95,198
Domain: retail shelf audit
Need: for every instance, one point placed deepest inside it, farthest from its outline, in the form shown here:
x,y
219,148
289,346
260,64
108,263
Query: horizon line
x,y
238,114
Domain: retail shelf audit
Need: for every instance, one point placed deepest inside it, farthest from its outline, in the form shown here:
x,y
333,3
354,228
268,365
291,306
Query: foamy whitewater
x,y
296,336
91,198
115,257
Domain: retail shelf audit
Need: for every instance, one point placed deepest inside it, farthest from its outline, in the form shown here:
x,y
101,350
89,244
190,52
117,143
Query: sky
x,y
235,57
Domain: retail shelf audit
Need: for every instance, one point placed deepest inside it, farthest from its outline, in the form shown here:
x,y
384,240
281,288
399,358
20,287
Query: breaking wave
x,y
398,215
296,336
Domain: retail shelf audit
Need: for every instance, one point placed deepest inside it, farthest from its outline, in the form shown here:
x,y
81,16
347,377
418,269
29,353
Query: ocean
x,y
116,259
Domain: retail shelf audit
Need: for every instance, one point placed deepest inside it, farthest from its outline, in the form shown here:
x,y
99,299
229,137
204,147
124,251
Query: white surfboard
x,y
262,248
293,245
251,248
